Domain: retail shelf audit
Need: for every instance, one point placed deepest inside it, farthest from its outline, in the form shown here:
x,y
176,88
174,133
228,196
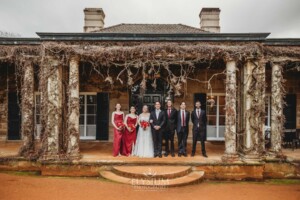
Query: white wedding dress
x,y
144,142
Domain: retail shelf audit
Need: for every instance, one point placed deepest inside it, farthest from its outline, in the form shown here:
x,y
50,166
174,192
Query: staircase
x,y
153,176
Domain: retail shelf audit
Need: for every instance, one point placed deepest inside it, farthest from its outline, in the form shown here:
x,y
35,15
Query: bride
x,y
144,143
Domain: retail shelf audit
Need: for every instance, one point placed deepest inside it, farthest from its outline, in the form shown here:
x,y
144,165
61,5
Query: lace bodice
x,y
144,118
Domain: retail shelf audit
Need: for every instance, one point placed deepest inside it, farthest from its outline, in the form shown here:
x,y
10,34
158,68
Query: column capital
x,y
263,61
52,61
75,58
254,58
229,58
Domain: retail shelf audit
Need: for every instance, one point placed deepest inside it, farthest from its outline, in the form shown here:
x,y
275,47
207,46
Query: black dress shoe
x,y
155,156
204,155
173,155
185,155
179,155
160,155
166,154
193,154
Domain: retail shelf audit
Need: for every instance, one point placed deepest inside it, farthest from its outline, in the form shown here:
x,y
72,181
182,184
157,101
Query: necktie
x,y
183,122
169,112
198,113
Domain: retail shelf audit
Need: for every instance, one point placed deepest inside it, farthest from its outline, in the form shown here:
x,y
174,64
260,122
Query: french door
x,y
37,116
216,118
87,118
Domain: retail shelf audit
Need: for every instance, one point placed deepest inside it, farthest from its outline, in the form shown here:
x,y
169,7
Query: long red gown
x,y
129,138
117,135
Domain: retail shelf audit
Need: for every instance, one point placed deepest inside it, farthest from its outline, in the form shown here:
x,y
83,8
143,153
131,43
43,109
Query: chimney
x,y
210,19
93,19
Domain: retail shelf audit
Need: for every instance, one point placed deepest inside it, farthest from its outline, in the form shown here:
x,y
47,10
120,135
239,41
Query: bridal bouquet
x,y
144,124
131,127
120,125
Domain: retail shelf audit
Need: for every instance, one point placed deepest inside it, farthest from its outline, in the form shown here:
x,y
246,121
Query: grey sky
x,y
280,17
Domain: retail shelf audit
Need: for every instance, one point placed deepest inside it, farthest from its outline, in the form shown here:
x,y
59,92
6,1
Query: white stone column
x,y
52,100
247,103
230,153
262,99
277,109
254,110
73,109
27,106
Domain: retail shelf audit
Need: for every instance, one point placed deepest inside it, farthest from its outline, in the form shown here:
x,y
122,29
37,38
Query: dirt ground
x,y
23,187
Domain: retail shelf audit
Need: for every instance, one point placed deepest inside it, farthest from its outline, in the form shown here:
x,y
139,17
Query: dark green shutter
x,y
14,117
102,125
289,111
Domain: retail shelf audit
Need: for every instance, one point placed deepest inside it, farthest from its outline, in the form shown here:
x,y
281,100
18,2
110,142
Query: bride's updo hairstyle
x,y
145,107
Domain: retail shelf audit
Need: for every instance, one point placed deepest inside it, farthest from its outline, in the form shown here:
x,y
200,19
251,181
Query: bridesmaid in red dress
x,y
117,119
129,137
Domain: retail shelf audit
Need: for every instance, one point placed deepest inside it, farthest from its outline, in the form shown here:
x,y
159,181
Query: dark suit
x,y
199,129
182,131
157,134
169,131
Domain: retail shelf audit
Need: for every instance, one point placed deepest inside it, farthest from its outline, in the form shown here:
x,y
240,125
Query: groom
x,y
157,120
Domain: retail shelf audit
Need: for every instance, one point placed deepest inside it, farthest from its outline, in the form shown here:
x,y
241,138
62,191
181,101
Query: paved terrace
x,y
95,151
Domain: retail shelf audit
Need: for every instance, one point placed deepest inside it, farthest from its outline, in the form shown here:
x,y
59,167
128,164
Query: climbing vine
x,y
125,62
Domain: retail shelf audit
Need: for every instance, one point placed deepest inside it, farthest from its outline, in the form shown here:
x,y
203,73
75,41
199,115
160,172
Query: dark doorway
x,y
289,111
14,117
138,98
102,124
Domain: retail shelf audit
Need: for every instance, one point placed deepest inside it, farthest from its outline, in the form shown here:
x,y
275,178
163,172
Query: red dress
x,y
129,138
118,118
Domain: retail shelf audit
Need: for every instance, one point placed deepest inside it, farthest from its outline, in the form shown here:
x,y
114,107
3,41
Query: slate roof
x,y
152,29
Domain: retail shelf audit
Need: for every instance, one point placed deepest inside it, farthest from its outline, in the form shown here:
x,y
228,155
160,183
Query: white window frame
x,y
85,117
217,126
268,98
37,127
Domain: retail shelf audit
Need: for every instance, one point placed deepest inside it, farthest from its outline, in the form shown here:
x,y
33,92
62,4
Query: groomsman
x,y
171,115
199,120
157,120
183,118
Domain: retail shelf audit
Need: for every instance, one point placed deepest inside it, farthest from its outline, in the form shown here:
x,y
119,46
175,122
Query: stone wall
x,y
95,84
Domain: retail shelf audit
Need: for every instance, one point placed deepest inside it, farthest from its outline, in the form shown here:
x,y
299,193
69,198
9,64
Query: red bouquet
x,y
131,127
120,125
144,124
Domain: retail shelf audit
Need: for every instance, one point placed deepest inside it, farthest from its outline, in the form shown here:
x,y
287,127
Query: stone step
x,y
142,172
190,178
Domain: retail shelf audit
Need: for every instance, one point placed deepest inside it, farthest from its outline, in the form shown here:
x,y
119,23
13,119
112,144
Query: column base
x,y
272,156
74,156
252,158
230,158
49,157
